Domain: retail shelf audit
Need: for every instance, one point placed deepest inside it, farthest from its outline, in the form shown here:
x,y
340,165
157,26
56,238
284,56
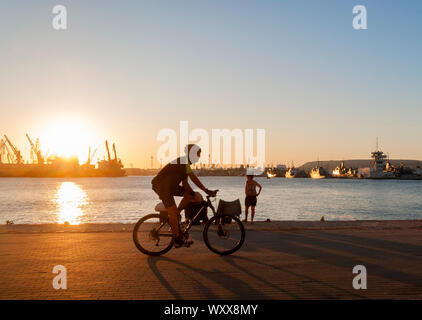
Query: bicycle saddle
x,y
160,207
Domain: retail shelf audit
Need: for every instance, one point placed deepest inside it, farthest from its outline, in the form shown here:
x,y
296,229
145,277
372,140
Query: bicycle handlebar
x,y
214,195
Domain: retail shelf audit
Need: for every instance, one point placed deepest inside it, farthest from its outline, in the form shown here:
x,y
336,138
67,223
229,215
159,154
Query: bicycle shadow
x,y
385,259
237,287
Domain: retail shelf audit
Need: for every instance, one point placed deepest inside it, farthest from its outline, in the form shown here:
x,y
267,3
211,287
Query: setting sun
x,y
67,137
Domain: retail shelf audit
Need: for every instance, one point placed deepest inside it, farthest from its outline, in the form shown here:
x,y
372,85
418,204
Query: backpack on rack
x,y
231,208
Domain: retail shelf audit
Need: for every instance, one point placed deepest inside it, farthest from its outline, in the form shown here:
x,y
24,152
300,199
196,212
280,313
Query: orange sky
x,y
123,73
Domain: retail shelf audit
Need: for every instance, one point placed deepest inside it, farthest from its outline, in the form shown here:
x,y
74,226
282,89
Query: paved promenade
x,y
288,261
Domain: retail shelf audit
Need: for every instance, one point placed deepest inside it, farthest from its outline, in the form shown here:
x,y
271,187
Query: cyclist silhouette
x,y
167,185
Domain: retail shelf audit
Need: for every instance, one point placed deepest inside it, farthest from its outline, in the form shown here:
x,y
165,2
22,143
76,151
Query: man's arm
x,y
186,185
259,186
196,181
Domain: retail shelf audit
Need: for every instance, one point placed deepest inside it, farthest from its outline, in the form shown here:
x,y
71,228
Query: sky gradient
x,y
125,70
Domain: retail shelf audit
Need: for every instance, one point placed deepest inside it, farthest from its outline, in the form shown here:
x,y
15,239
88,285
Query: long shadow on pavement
x,y
340,250
318,245
236,286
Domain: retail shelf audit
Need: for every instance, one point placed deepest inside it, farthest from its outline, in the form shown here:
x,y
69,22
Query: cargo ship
x,y
12,163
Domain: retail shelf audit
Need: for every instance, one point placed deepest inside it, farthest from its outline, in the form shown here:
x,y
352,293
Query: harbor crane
x,y
108,151
93,154
6,152
88,162
90,156
110,164
3,151
35,150
115,153
9,154
16,152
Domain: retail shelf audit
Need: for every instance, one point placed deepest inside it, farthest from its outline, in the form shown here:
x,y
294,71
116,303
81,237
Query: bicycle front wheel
x,y
224,234
152,235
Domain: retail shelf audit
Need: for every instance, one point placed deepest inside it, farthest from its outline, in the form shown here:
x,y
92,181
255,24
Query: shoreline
x,y
256,226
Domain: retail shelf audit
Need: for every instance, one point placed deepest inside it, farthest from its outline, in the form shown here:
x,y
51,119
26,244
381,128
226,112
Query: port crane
x,y
115,153
93,155
16,152
6,151
90,156
35,150
110,163
108,151
117,161
3,151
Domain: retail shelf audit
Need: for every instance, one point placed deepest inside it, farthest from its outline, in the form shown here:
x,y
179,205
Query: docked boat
x,y
318,173
291,173
380,166
342,172
271,174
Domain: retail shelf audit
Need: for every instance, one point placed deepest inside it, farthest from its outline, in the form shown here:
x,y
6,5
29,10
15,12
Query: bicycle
x,y
223,234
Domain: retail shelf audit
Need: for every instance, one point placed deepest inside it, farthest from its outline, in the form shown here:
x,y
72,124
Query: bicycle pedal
x,y
185,244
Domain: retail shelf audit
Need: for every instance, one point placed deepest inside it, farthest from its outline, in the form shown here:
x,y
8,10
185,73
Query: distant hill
x,y
357,163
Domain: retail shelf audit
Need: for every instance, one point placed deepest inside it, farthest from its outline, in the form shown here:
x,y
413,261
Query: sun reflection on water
x,y
70,200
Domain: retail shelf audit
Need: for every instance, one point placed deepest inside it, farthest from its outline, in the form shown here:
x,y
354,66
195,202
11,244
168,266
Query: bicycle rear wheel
x,y
152,235
224,234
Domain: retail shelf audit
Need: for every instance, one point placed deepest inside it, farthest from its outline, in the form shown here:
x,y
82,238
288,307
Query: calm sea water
x,y
34,200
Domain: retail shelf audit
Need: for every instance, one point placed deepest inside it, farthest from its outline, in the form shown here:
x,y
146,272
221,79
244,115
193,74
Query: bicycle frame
x,y
207,205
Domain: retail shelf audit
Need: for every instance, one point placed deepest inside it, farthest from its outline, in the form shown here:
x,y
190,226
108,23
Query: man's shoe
x,y
182,242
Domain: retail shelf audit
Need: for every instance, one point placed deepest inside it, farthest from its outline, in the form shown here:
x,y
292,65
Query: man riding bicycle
x,y
167,185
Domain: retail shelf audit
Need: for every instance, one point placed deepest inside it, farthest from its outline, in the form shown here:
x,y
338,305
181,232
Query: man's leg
x,y
179,240
246,214
187,198
252,213
173,213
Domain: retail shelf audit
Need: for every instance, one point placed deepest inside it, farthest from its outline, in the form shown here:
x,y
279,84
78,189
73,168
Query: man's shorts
x,y
250,201
167,194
